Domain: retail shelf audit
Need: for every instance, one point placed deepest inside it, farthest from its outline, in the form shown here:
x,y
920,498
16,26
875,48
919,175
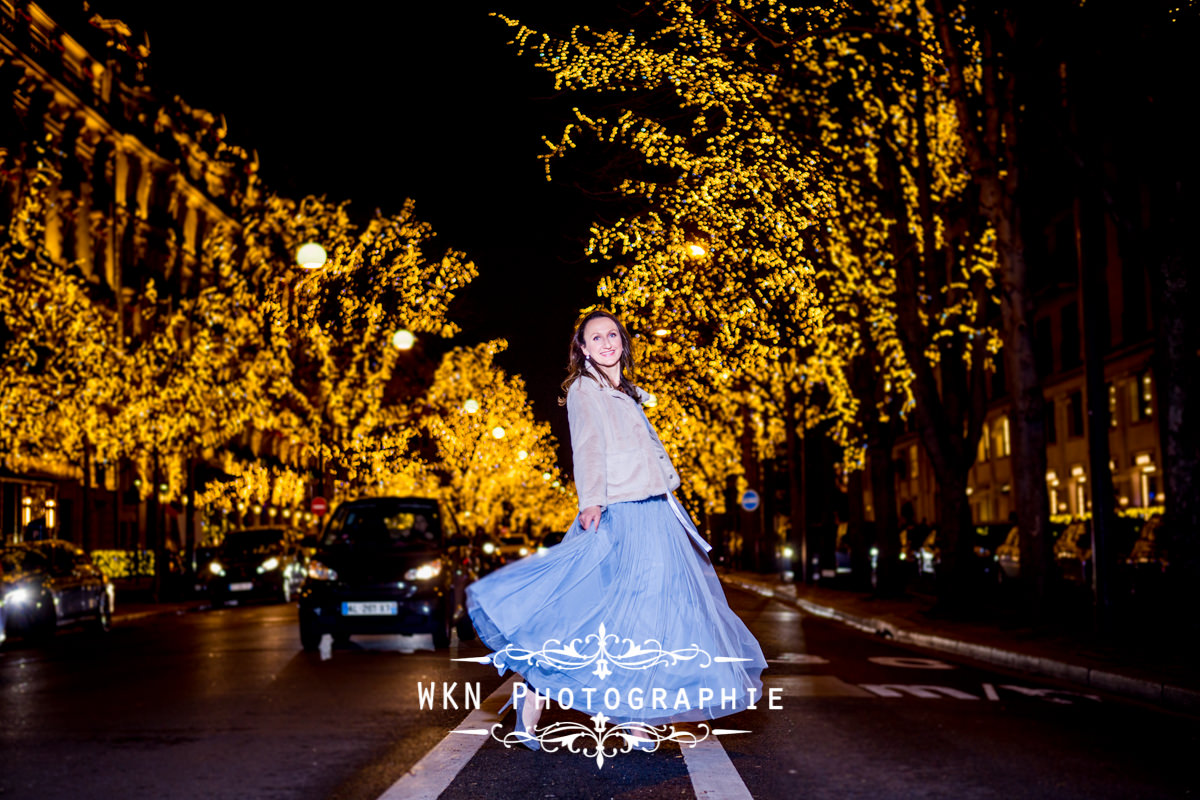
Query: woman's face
x,y
602,341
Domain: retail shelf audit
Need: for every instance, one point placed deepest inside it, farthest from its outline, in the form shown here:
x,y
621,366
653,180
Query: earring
x,y
587,357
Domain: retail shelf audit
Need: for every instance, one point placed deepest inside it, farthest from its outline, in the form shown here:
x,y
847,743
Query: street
x,y
223,703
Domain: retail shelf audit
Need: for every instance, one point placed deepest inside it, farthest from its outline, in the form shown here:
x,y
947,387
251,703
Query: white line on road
x,y
713,774
430,776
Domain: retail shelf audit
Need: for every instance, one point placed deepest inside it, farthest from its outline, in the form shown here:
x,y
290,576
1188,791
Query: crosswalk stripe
x,y
713,774
430,776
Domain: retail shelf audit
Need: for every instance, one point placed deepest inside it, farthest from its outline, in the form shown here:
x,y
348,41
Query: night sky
x,y
375,102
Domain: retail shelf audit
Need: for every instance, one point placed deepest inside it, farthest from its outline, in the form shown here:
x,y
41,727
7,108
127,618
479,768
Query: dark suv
x,y
387,565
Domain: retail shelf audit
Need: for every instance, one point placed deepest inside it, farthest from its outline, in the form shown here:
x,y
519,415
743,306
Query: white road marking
x,y
795,686
713,775
797,658
909,662
430,776
923,691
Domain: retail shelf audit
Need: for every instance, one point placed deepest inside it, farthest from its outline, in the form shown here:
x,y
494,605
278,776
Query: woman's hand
x,y
590,517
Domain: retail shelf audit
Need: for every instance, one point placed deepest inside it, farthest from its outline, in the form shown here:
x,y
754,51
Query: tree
x,y
497,461
804,216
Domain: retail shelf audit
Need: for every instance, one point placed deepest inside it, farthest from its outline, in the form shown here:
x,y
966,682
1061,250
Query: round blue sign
x,y
750,500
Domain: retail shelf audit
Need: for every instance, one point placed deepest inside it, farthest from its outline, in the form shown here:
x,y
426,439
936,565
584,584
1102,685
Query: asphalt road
x,y
223,704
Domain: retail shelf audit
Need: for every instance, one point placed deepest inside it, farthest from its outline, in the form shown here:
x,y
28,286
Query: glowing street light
x,y
696,250
471,406
522,455
660,332
498,432
403,339
311,256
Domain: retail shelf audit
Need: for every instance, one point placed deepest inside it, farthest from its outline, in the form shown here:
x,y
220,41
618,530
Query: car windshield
x,y
20,559
380,527
248,543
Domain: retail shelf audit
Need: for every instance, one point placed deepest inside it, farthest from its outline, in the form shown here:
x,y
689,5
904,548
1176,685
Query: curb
x,y
119,617
1169,696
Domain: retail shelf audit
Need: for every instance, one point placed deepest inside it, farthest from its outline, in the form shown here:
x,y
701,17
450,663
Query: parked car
x,y
51,583
388,565
514,546
256,563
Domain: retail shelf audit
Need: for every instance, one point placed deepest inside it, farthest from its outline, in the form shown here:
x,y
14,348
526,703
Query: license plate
x,y
369,609
241,587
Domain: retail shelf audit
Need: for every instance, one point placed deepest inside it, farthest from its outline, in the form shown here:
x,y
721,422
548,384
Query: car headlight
x,y
319,572
270,564
19,596
424,572
489,548
524,551
216,569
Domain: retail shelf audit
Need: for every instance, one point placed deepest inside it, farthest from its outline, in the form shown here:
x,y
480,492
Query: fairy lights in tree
x,y
798,213
486,473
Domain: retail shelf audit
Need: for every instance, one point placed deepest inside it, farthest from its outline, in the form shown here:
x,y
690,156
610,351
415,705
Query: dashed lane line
x,y
430,776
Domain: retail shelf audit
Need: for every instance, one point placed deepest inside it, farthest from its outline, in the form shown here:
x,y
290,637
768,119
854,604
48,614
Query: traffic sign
x,y
750,500
319,506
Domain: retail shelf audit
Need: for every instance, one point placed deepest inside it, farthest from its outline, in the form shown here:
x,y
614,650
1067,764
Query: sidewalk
x,y
1173,684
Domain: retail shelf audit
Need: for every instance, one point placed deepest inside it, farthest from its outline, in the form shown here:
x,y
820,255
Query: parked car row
x,y
51,583
379,565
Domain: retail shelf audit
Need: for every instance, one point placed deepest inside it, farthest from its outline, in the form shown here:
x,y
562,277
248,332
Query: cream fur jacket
x,y
618,456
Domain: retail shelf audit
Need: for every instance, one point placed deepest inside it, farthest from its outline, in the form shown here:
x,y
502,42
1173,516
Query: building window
x,y
1074,415
982,454
1141,398
1000,440
1051,422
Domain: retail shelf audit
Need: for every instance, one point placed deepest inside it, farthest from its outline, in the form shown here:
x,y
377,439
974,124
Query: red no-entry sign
x,y
319,506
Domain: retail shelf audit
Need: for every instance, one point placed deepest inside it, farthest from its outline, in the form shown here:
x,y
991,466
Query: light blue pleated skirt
x,y
628,619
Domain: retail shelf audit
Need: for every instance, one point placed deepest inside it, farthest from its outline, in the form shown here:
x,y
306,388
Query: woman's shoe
x,y
519,727
647,745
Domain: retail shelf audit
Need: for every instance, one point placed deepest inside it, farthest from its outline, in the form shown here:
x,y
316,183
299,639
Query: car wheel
x,y
466,631
441,633
310,634
103,621
46,623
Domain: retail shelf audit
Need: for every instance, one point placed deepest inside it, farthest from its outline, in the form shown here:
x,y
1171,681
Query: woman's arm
x,y
588,451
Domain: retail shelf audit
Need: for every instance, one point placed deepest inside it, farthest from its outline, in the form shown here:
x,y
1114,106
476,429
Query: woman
x,y
625,616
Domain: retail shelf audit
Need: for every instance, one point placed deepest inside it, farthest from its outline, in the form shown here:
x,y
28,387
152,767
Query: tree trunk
x,y
1179,406
798,530
890,581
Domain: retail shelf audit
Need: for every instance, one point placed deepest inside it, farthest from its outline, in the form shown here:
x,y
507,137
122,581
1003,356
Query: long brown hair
x,y
576,363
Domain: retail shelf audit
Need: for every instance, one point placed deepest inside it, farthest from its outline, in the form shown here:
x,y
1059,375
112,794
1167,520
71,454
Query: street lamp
x,y
403,339
311,255
498,432
696,251
471,406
